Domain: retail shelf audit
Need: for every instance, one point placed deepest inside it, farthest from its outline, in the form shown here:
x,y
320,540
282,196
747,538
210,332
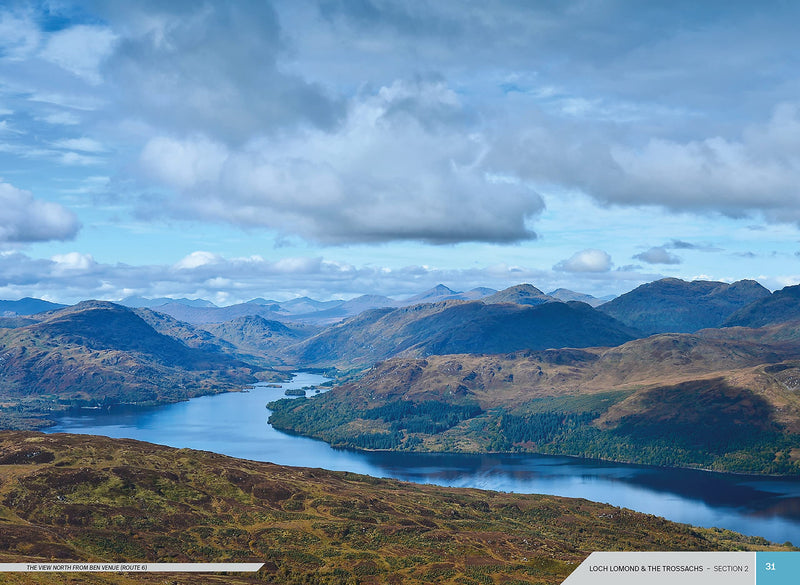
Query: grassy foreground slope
x,y
84,498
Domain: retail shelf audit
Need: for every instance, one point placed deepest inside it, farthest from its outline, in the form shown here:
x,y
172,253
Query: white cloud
x,y
402,167
756,172
590,260
73,261
197,259
26,219
80,50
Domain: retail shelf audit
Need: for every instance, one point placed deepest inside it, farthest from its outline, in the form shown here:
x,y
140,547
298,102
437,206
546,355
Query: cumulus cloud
x,y
397,169
590,260
658,255
213,66
73,261
26,219
757,172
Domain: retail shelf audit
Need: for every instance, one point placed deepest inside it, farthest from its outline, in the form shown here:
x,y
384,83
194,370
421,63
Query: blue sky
x,y
231,150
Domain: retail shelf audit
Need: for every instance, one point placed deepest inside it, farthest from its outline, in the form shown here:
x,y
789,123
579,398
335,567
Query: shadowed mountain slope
x,y
674,305
458,327
781,306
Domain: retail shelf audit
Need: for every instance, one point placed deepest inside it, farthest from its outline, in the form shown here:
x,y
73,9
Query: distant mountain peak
x,y
565,294
439,292
520,294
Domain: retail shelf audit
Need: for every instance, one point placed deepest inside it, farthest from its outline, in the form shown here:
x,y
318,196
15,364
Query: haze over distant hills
x,y
564,294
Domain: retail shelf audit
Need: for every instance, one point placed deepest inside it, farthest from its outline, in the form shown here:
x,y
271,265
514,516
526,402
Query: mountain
x,y
438,293
727,403
255,334
264,302
27,306
781,306
186,333
521,294
305,305
345,310
136,302
94,499
198,315
100,352
476,293
458,327
564,294
674,305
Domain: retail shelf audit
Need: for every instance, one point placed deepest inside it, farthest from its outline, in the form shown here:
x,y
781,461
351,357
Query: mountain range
x,y
632,379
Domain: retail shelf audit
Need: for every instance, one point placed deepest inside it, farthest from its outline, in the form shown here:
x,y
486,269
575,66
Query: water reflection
x,y
235,424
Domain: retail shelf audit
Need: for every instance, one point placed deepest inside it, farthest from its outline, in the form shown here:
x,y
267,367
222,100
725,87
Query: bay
x,y
235,424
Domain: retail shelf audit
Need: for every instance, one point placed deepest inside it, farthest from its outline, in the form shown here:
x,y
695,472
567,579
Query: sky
x,y
233,150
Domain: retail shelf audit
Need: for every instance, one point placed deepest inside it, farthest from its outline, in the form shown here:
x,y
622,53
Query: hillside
x,y
259,336
187,334
781,306
671,399
457,327
83,498
102,353
674,305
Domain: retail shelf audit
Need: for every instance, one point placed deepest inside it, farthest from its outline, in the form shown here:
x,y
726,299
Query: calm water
x,y
236,424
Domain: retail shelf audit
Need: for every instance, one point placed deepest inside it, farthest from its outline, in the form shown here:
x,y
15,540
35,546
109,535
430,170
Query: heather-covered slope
x,y
102,353
83,498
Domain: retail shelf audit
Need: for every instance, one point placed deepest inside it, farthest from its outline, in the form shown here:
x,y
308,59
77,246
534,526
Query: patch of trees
x,y
428,417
